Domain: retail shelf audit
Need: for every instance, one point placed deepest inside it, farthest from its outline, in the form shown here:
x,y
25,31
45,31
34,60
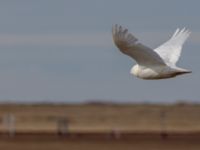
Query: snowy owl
x,y
159,63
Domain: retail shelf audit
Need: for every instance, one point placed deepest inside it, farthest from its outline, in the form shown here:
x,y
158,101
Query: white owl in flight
x,y
159,63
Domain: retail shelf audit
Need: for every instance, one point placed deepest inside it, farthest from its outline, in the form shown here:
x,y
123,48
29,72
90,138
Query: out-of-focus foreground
x,y
99,126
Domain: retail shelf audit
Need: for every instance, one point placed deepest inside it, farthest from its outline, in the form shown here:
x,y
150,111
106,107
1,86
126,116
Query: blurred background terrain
x,y
98,125
102,117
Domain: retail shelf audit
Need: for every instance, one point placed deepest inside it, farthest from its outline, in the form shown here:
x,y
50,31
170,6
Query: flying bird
x,y
159,63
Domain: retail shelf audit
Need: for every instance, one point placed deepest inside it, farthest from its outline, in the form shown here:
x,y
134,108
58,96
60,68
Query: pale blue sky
x,y
62,50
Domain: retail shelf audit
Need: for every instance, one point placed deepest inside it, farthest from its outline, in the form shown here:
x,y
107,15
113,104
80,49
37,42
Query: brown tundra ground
x,y
145,122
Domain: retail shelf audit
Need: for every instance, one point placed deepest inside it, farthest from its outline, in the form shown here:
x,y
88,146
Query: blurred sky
x,y
62,50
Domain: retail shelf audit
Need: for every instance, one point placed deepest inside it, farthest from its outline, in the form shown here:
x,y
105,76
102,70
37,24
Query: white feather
x,y
130,45
170,51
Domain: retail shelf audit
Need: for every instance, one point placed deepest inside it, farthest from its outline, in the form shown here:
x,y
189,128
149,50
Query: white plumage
x,y
159,63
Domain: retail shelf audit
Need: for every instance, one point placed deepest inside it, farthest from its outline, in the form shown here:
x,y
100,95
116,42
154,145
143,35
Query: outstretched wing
x,y
170,51
130,45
